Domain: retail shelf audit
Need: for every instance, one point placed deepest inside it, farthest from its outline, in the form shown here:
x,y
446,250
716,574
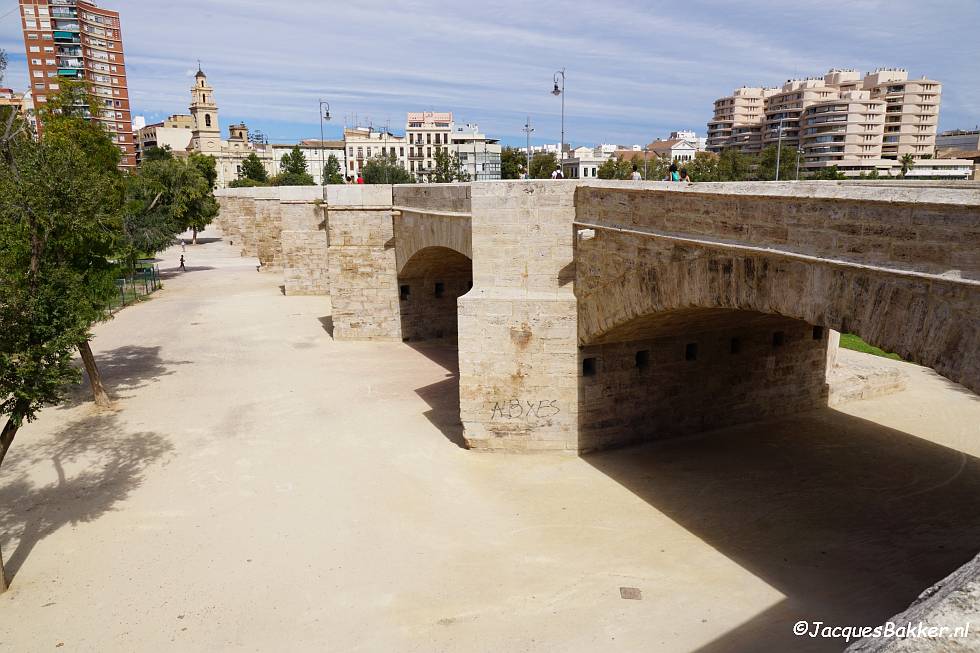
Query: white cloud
x,y
635,70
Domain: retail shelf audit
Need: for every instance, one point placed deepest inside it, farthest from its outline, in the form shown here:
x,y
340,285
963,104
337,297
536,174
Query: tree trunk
x,y
194,236
94,376
6,439
3,576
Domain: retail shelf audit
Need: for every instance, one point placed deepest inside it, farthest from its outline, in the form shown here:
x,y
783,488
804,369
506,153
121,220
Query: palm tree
x,y
907,163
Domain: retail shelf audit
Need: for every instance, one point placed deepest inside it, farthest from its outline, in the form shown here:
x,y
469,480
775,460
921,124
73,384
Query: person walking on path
x,y
183,245
182,263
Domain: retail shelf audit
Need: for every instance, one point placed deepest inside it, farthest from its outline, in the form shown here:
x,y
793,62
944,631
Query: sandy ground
x,y
261,487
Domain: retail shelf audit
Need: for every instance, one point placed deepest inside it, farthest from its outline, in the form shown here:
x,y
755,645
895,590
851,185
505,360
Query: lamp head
x,y
556,90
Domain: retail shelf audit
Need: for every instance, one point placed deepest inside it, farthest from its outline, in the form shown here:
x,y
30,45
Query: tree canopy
x,y
447,168
293,170
332,173
542,165
512,161
252,169
385,169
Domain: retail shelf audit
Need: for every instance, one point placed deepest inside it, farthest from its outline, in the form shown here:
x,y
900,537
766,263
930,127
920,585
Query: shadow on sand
x,y
850,520
124,369
96,467
443,396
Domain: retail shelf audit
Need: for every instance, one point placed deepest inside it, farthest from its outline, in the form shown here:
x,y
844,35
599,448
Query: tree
x,y
766,170
447,168
733,165
615,168
703,167
293,170
331,171
204,207
908,162
60,224
385,169
830,172
512,161
542,165
156,153
253,170
166,198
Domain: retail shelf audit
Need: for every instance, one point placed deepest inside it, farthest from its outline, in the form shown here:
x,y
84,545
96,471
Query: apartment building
x,y
173,133
479,156
75,39
783,109
738,120
860,124
364,143
911,112
847,129
427,133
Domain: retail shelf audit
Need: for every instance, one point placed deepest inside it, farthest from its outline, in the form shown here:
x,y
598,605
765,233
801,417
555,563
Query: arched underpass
x,y
429,284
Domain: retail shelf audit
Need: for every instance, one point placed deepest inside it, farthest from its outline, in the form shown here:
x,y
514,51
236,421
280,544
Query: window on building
x,y
401,151
207,120
428,151
428,139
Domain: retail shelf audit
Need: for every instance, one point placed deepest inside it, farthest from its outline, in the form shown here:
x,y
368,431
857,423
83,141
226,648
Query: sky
x,y
635,71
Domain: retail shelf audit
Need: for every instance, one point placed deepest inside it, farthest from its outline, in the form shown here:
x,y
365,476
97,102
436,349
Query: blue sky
x,y
635,70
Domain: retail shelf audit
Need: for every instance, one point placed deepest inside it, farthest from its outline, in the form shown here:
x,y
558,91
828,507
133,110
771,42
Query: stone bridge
x,y
592,314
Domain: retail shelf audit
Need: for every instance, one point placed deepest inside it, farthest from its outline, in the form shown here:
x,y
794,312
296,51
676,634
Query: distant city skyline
x,y
632,76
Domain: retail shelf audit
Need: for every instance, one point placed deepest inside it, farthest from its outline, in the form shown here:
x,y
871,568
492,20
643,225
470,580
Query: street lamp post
x,y
527,130
561,92
779,148
799,152
324,115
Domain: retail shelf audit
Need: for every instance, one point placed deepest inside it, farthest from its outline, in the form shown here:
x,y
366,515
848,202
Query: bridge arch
x,y
429,285
928,319
678,337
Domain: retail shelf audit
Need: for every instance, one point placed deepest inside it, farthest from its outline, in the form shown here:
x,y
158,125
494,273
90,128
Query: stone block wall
x,y
304,241
361,260
518,354
930,230
693,381
267,233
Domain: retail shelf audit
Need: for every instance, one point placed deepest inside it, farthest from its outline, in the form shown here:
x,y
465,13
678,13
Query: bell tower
x,y
206,136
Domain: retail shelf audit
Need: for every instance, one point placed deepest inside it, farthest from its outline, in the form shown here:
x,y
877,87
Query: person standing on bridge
x,y
636,176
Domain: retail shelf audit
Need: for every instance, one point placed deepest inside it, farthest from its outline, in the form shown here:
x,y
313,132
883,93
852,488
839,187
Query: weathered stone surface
x,y
953,602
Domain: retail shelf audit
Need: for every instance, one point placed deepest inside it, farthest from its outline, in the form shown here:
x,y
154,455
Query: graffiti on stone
x,y
523,409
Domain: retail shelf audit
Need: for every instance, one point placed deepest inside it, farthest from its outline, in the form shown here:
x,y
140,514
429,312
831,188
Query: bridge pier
x,y
361,259
304,241
517,334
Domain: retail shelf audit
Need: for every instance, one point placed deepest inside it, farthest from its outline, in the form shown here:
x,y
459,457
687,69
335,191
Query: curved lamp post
x,y
324,115
561,91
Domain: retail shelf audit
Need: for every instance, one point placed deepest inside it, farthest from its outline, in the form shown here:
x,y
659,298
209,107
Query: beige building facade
x,y
364,143
173,133
861,124
427,133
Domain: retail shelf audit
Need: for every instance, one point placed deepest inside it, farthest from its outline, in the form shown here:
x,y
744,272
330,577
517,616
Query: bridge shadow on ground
x,y
124,370
95,466
170,273
443,396
850,520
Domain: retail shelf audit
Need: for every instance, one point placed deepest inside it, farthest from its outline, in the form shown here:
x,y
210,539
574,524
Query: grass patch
x,y
851,341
